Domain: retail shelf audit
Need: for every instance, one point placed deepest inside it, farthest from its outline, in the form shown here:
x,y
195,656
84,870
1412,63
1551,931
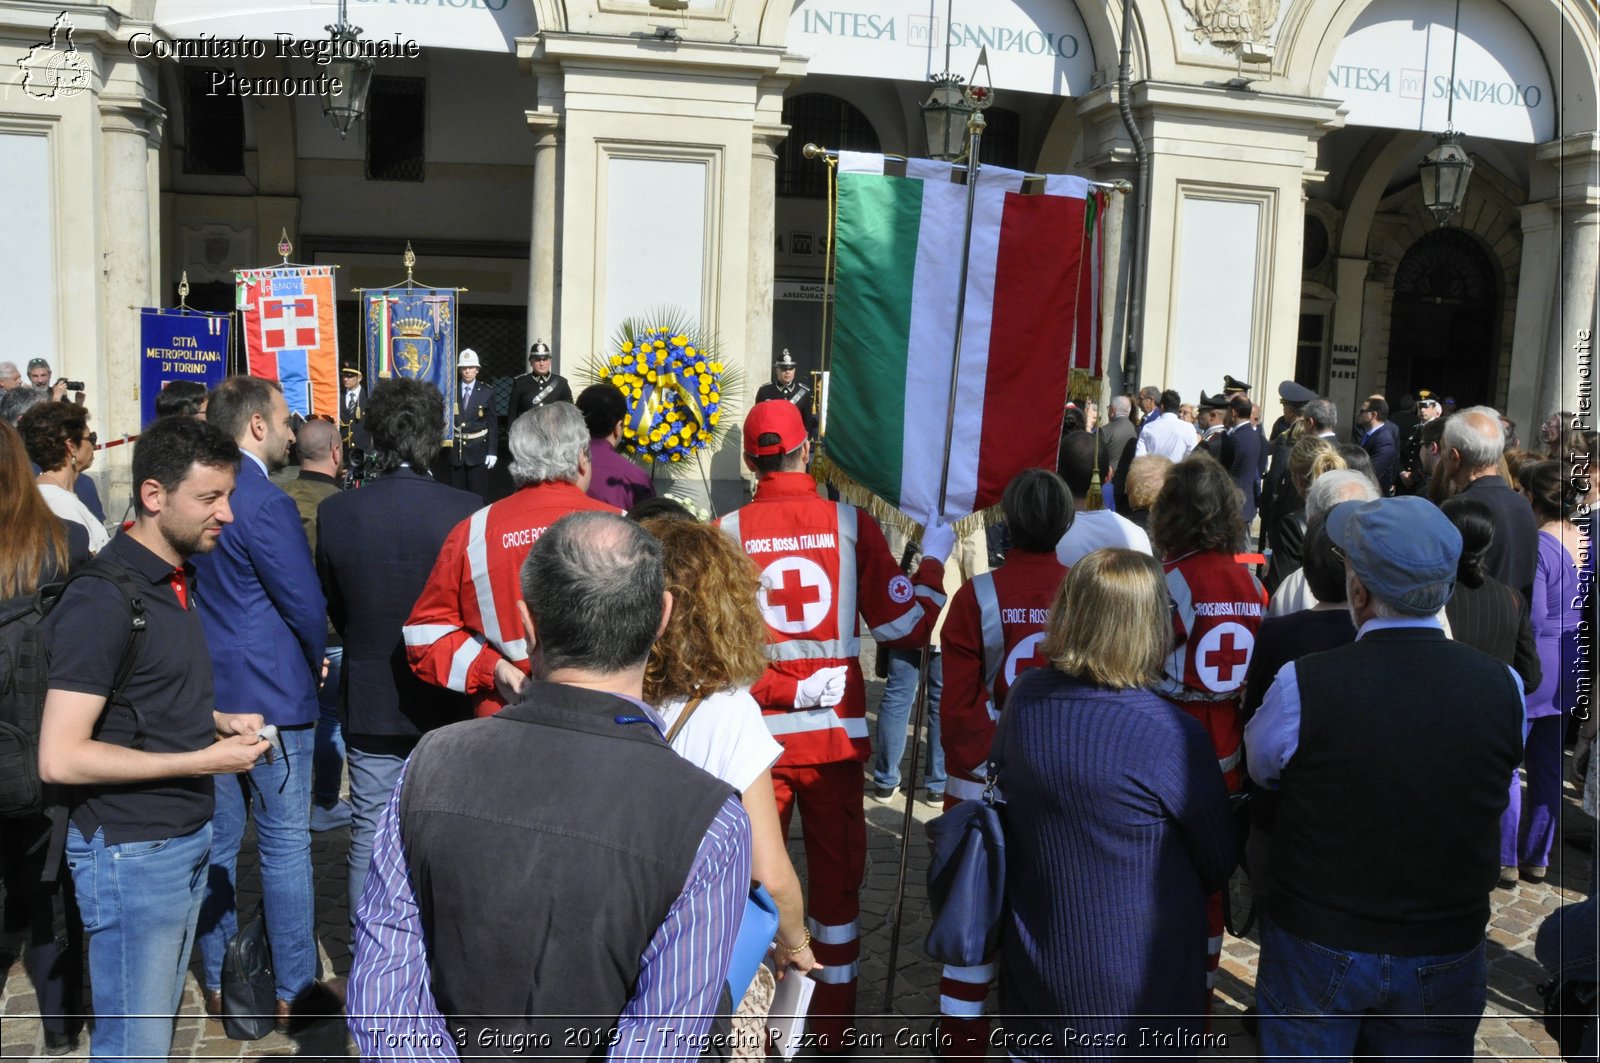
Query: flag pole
x,y
975,126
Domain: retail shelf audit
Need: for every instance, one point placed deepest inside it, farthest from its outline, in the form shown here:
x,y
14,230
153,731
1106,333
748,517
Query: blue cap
x,y
1295,394
1404,550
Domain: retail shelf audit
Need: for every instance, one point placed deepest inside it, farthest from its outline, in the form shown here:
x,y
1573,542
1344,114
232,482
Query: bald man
x,y
321,453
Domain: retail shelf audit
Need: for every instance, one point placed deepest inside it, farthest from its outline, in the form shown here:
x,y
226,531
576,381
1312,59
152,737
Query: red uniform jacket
x,y
822,563
992,632
466,619
1217,608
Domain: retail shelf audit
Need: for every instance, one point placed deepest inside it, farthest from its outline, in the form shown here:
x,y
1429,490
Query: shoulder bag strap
x,y
683,718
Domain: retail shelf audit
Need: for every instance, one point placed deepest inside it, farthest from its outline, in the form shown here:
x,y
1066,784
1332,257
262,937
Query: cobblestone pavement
x,y
1511,1028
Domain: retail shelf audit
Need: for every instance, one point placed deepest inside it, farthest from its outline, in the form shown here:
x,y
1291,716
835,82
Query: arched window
x,y
1442,333
818,119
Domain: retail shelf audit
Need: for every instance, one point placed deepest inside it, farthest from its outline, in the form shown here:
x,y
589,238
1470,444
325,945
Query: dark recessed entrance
x,y
1444,334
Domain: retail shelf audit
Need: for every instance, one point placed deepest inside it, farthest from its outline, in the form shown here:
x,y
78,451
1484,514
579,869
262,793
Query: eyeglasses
x,y
92,439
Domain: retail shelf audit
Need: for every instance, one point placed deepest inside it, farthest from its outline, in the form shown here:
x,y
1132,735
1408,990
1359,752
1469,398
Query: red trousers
x,y
833,824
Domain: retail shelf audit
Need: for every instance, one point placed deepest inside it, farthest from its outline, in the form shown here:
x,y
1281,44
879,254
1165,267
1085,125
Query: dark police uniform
x,y
796,393
529,392
476,437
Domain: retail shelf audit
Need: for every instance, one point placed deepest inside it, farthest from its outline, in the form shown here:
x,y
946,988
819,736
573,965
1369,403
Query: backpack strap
x,y
118,576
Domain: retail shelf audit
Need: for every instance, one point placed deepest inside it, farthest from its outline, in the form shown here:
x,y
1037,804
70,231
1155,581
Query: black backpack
x,y
24,678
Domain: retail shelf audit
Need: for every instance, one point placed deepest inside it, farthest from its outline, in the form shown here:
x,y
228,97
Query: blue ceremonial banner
x,y
411,333
179,344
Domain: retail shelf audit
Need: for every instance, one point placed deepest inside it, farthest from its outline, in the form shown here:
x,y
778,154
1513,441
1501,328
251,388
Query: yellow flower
x,y
716,417
660,346
716,367
648,457
716,396
680,340
689,351
675,457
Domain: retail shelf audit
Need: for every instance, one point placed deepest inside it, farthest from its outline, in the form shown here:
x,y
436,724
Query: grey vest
x,y
546,845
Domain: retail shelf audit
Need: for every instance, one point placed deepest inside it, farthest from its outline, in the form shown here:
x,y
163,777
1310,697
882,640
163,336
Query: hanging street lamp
x,y
1444,172
351,72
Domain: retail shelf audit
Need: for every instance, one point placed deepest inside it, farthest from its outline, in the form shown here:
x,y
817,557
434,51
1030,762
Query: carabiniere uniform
x,y
529,392
796,393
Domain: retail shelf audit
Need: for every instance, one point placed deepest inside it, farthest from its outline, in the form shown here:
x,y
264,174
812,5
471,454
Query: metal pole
x,y
975,126
921,703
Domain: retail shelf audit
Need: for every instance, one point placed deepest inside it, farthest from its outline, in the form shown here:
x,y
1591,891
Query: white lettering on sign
x,y
1227,608
1393,69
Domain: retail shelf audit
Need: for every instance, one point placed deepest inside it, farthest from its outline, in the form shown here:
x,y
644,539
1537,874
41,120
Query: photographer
x,y
39,377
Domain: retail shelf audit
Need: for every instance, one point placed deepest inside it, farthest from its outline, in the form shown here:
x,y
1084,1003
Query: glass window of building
x,y
396,128
213,126
824,120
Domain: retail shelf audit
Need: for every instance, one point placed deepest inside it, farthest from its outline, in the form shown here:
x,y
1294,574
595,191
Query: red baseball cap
x,y
778,417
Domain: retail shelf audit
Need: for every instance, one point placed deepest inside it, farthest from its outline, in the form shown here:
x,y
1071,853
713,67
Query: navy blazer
x,y
1246,466
265,619
1383,446
375,548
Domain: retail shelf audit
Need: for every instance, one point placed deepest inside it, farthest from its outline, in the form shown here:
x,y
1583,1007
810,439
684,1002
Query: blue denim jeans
x,y
375,763
894,713
1317,1001
139,902
280,801
327,765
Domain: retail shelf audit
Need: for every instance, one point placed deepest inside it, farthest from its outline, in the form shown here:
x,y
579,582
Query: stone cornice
x,y
546,51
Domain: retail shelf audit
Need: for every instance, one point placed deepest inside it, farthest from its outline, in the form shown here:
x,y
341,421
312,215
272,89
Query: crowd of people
x,y
574,724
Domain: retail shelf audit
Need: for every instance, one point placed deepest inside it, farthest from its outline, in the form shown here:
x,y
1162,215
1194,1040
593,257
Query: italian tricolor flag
x,y
898,249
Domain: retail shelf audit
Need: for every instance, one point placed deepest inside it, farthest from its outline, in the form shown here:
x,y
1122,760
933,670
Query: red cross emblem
x,y
795,596
289,323
1221,655
1025,655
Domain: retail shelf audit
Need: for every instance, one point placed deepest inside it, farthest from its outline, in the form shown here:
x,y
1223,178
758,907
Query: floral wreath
x,y
679,394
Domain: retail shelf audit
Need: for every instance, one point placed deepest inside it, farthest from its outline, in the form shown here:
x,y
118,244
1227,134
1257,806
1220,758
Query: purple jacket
x,y
616,480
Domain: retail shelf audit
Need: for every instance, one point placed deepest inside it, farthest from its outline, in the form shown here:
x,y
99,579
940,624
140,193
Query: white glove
x,y
488,463
824,687
938,539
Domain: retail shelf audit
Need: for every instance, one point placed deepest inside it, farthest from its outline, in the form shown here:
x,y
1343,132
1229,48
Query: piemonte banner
x,y
179,344
897,267
289,335
411,333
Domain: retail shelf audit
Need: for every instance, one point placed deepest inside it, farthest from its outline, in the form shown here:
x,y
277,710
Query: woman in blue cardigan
x,y
1117,830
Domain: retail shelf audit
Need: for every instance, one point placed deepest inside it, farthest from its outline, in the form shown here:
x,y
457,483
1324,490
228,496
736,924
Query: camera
x,y
74,385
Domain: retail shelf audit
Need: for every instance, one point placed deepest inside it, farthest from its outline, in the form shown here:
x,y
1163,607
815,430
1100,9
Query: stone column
x,y
130,129
1537,283
543,279
763,212
1347,327
1574,318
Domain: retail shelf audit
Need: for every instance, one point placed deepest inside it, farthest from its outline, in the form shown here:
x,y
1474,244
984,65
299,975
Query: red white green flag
x,y
897,266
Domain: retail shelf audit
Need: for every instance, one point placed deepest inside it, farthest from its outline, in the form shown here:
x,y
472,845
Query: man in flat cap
x,y
1387,841
539,386
785,386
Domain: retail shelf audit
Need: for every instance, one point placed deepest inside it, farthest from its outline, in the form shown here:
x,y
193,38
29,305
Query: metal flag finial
x,y
410,259
183,290
284,246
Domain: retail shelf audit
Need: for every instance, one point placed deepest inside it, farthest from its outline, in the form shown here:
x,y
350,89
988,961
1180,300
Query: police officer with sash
x,y
539,386
785,386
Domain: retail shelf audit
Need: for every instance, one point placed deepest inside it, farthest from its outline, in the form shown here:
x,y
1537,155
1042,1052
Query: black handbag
x,y
249,990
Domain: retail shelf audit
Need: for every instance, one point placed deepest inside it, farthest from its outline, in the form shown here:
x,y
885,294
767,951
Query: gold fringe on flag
x,y
826,472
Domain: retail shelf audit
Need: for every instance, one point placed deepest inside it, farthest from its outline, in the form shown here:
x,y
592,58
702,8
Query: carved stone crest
x,y
1229,23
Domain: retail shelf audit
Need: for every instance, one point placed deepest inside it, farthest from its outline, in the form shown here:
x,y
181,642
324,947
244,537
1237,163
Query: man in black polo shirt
x,y
1388,833
140,830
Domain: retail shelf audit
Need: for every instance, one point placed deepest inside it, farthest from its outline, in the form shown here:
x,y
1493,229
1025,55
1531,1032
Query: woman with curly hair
x,y
59,442
699,675
1196,526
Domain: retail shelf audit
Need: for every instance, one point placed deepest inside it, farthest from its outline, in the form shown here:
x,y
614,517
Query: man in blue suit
x,y
1381,440
1247,448
266,628
375,548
